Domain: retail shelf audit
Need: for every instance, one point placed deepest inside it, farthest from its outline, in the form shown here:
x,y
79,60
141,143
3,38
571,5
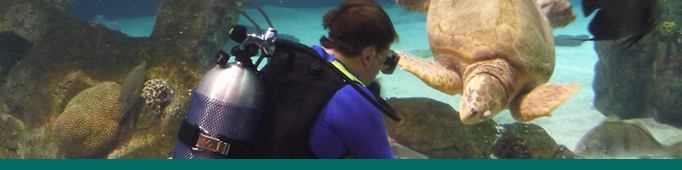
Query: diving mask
x,y
390,63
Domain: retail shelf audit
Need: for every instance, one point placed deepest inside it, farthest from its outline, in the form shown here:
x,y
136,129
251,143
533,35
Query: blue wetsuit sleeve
x,y
354,123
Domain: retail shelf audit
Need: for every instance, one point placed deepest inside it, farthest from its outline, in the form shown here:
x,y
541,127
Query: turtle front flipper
x,y
414,5
432,73
541,101
558,12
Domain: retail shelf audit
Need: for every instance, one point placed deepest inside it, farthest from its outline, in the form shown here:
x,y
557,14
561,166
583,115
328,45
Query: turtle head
x,y
483,98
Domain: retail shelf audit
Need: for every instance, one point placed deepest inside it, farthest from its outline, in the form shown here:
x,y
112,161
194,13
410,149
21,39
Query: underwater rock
x,y
36,143
61,4
528,141
433,128
403,152
72,84
99,19
195,31
89,126
617,139
115,10
645,80
677,151
570,40
147,143
10,129
663,133
13,49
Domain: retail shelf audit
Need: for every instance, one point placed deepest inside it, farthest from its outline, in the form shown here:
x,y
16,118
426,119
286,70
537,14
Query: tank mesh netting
x,y
236,121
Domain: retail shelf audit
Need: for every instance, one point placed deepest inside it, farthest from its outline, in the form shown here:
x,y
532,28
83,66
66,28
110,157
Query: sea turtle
x,y
498,54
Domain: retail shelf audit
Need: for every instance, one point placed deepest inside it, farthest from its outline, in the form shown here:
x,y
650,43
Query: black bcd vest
x,y
297,87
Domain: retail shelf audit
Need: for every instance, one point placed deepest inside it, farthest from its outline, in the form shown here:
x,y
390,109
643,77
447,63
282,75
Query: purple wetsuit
x,y
349,125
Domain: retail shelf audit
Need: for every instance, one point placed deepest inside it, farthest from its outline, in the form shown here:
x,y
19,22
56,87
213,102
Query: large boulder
x,y
529,141
619,139
433,128
646,79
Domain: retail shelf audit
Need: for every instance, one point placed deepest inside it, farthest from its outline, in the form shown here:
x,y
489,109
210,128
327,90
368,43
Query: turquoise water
x,y
576,64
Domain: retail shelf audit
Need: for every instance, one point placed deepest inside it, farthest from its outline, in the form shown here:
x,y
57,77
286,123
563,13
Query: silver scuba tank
x,y
226,108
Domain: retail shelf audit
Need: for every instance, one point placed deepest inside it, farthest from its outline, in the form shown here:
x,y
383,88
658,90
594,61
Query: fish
x,y
131,87
616,19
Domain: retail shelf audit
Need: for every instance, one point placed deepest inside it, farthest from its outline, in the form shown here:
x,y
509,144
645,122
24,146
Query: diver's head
x,y
361,30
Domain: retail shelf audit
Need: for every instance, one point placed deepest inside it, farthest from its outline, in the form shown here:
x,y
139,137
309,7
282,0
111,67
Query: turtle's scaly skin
x,y
494,52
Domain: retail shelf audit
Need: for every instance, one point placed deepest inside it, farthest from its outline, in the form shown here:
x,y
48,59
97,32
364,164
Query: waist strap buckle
x,y
206,142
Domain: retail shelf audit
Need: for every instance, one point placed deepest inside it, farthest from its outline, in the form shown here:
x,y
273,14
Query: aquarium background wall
x,y
112,79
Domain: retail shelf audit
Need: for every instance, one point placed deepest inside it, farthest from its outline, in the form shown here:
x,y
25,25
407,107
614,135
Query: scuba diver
x,y
317,101
359,40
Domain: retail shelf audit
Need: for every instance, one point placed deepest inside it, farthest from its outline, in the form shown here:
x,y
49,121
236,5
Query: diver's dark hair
x,y
356,24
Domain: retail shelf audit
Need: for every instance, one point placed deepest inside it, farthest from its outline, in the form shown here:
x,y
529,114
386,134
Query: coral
x,y
89,125
157,94
669,28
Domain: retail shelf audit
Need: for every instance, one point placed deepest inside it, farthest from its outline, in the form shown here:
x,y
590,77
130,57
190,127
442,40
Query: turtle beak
x,y
472,116
487,115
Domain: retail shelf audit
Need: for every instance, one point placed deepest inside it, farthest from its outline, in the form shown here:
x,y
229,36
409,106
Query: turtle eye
x,y
473,112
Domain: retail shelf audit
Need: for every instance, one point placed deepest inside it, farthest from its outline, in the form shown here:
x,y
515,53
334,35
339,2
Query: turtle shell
x,y
462,32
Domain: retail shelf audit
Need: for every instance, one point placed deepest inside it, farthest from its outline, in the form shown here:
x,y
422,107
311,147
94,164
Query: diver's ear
x,y
366,56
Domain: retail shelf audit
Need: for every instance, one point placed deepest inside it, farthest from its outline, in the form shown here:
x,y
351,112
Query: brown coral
x,y
89,125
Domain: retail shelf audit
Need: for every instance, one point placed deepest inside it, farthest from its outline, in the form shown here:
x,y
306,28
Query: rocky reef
x,y
644,81
433,128
69,55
